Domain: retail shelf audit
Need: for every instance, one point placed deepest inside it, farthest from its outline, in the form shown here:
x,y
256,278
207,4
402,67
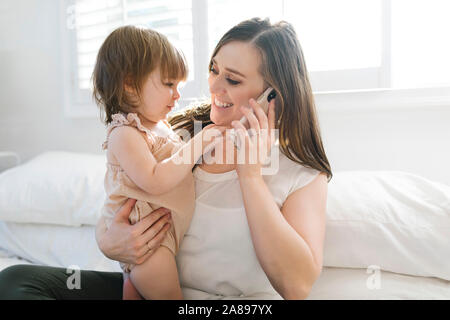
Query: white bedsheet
x,y
347,283
7,260
340,284
55,245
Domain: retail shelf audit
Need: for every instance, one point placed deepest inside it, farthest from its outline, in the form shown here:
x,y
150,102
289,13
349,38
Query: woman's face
x,y
234,78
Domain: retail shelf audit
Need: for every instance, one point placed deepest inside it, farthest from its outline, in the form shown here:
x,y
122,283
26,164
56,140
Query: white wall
x,y
415,140
31,102
32,120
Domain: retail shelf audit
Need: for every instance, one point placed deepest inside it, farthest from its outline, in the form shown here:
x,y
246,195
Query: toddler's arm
x,y
131,151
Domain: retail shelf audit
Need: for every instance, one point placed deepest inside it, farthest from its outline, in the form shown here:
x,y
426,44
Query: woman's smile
x,y
222,104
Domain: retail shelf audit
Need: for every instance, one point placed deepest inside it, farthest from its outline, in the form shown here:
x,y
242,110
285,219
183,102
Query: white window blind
x,y
96,19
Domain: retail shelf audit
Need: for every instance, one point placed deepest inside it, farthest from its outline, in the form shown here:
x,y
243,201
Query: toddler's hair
x,y
128,55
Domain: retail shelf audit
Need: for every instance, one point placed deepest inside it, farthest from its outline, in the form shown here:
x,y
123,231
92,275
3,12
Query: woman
x,y
252,235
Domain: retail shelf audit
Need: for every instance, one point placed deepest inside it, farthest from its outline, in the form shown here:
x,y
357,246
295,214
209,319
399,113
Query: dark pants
x,y
31,282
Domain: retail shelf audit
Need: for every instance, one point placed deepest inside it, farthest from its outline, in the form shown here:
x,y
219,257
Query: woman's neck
x,y
220,162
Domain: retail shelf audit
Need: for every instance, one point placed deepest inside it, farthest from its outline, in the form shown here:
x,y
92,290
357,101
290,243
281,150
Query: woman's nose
x,y
216,85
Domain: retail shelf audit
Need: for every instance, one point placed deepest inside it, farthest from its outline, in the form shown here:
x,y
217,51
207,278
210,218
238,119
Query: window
x,y
96,19
348,44
420,48
353,44
90,22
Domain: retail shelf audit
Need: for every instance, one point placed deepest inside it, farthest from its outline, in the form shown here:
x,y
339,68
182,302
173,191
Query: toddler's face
x,y
158,97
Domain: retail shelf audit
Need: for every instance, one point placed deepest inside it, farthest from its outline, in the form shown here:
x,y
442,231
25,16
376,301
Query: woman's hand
x,y
257,141
129,243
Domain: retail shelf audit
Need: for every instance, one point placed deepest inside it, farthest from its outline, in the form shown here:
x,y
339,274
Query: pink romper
x,y
119,187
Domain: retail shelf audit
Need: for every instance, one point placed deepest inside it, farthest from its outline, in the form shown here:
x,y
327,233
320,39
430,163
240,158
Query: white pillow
x,y
53,245
62,188
395,220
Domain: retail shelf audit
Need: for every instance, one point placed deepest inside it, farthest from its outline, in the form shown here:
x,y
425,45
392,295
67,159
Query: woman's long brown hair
x,y
283,68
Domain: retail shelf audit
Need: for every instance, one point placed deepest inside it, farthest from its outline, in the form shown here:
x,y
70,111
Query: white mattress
x,y
348,284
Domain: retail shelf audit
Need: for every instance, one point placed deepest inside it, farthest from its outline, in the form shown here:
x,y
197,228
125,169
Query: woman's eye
x,y
169,84
230,81
233,82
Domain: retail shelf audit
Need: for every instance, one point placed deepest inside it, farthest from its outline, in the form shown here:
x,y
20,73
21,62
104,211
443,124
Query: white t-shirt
x,y
217,259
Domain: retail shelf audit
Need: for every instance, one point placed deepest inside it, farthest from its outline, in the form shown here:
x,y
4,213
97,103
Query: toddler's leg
x,y
157,277
129,290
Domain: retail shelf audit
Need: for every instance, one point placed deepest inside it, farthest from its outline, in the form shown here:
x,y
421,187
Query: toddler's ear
x,y
128,85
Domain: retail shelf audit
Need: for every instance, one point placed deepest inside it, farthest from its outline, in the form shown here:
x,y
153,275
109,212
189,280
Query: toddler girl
x,y
135,83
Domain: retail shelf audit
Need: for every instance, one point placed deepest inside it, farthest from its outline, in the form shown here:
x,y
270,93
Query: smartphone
x,y
263,100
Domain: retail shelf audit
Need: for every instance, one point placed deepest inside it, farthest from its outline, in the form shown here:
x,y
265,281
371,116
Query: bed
x,y
387,231
344,284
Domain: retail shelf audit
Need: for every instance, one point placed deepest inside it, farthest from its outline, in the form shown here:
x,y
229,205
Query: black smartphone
x,y
263,100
